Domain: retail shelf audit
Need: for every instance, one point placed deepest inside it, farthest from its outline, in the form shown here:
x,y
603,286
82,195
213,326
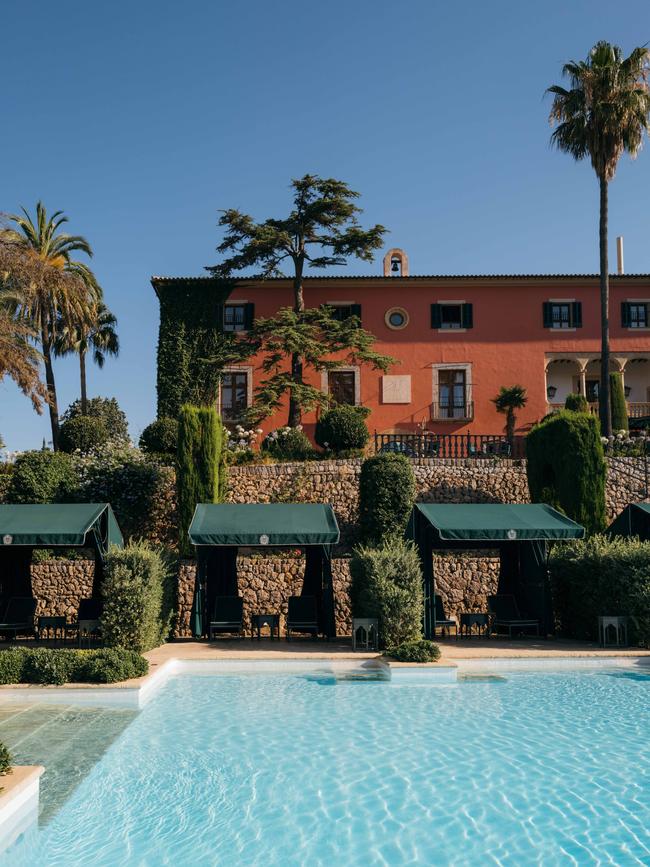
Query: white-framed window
x,y
235,392
452,392
238,315
562,314
343,385
635,314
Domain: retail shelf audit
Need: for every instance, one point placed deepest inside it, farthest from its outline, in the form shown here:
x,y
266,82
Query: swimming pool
x,y
284,769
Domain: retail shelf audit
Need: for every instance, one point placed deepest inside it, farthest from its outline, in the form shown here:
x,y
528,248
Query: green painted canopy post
x,y
418,532
198,604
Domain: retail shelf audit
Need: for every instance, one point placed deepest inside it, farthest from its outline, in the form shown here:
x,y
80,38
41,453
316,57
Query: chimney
x,y
620,265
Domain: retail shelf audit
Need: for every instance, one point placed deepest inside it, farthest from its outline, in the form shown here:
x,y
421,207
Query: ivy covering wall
x,y
191,317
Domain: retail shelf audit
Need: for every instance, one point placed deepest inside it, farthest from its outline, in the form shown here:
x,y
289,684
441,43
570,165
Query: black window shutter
x,y
355,310
467,316
436,316
625,314
249,316
576,314
219,316
548,314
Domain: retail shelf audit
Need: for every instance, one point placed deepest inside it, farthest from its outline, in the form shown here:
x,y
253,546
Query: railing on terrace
x,y
454,411
432,445
636,409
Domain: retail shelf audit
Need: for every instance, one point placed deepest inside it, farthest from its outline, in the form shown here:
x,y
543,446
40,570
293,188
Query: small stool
x,y
368,630
270,620
471,619
619,625
88,629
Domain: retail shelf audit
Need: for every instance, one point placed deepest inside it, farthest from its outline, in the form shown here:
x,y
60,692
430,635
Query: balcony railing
x,y
635,409
447,412
430,445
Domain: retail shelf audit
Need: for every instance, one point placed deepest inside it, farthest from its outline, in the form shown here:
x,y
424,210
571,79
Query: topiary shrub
x,y
83,433
566,467
5,761
160,437
415,651
112,665
107,410
287,444
57,666
200,462
618,402
576,403
43,666
138,597
597,576
12,664
342,429
386,496
42,477
387,584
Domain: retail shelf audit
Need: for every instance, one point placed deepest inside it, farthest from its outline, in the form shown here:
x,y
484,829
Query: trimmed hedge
x,y
138,593
601,576
566,467
5,761
54,666
42,477
576,403
342,429
618,403
386,496
287,444
83,433
160,437
415,651
387,584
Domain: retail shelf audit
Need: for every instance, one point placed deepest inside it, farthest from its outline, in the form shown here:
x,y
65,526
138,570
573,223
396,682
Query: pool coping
x,y
18,802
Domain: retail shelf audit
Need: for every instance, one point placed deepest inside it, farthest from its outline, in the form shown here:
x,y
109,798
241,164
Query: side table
x,y
365,633
270,620
471,619
53,625
619,625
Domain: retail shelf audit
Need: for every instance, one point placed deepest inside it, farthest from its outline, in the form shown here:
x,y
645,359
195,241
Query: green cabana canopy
x,y
24,527
253,524
520,533
634,520
56,524
219,529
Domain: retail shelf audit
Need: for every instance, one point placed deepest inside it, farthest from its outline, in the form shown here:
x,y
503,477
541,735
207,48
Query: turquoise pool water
x,y
548,769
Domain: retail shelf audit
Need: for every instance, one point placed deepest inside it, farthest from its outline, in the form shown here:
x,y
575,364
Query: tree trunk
x,y
82,377
51,385
510,428
295,414
604,402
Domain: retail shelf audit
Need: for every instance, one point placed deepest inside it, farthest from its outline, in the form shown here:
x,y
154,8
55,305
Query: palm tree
x,y
60,293
507,401
19,360
603,114
93,333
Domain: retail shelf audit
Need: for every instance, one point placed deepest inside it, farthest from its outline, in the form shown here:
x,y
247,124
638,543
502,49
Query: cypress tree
x,y
566,467
200,478
619,406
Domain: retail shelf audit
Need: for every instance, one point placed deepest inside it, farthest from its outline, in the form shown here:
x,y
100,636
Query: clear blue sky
x,y
142,119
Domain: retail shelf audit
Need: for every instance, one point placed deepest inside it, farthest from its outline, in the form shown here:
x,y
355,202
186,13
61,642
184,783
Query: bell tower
x,y
396,263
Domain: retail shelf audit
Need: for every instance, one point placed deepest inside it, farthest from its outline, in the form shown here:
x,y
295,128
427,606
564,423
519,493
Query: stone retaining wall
x,y
58,585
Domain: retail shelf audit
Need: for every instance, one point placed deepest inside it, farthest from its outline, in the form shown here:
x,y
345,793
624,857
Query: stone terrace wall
x,y
59,585
266,583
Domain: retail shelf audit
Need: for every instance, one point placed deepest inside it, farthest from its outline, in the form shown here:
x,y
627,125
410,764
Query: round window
x,y
396,318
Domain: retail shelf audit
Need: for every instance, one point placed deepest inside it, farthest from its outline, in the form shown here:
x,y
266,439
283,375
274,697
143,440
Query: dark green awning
x,y
253,524
634,520
56,524
498,521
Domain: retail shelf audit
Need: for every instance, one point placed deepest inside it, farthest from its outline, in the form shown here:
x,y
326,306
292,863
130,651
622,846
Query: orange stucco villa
x,y
458,339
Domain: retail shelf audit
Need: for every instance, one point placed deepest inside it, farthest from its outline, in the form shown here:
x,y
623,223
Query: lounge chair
x,y
302,615
228,616
442,621
19,616
504,611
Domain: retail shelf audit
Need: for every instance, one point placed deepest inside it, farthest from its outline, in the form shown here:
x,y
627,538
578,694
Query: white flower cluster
x,y
280,433
242,440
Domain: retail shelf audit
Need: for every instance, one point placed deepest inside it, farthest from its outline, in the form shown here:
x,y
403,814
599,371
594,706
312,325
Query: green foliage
x,y
601,576
138,593
83,433
619,404
415,651
42,477
342,428
55,666
386,496
387,584
576,403
321,341
135,487
566,467
160,437
287,444
5,761
200,461
108,410
6,472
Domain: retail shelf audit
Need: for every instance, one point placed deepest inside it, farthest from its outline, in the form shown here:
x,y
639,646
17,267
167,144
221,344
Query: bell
x,y
395,266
